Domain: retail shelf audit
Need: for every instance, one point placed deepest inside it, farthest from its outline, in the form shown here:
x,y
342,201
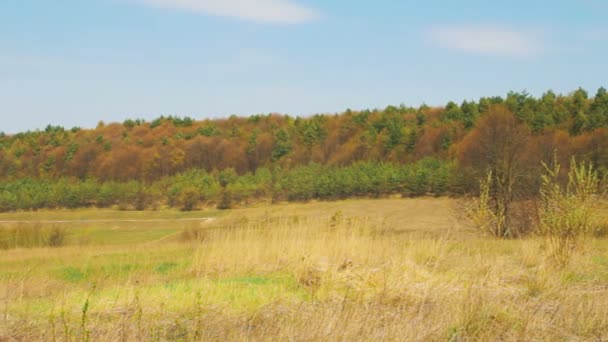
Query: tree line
x,y
413,151
225,188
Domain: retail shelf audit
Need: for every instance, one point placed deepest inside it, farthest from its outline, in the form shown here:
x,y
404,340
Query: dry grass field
x,y
386,269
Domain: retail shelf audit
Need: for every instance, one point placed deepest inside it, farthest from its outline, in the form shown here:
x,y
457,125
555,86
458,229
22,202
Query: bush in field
x,y
189,198
31,235
225,201
56,237
566,213
481,212
193,233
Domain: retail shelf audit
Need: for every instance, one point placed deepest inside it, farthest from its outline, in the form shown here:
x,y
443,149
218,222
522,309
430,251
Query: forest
x,y
185,163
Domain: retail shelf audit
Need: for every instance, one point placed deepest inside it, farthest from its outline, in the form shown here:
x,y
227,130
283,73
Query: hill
x,y
182,162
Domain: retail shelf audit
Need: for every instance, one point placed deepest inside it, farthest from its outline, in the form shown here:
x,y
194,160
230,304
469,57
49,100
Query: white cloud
x,y
266,11
487,40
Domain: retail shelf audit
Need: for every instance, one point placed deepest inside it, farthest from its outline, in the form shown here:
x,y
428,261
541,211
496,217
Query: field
x,y
384,269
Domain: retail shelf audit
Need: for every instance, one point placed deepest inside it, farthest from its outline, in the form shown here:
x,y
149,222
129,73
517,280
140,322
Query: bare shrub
x,y
193,233
57,236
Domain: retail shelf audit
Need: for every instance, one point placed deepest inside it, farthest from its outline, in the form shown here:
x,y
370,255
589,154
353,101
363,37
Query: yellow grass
x,y
392,269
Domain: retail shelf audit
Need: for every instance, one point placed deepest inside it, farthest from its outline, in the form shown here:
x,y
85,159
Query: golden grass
x,y
388,269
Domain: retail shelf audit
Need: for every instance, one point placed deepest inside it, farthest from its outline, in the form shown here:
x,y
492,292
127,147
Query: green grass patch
x,y
601,260
105,214
165,267
251,280
72,274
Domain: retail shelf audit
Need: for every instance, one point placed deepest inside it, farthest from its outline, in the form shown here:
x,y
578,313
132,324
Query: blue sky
x,y
75,62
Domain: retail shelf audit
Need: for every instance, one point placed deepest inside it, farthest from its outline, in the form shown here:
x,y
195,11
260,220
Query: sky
x,y
76,62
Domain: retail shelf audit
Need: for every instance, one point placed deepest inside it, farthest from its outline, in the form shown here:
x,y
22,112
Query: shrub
x,y
498,218
56,237
32,235
189,198
481,212
566,213
193,233
225,201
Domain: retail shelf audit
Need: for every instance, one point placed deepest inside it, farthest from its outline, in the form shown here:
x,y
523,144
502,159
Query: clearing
x,y
383,269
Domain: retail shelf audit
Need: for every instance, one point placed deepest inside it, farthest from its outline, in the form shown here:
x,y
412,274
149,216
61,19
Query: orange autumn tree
x,y
495,149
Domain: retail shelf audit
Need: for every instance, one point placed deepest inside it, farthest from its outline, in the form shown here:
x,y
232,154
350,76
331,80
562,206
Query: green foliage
x,y
186,190
72,149
411,140
366,179
54,129
282,144
174,120
31,194
428,176
130,123
257,185
72,194
195,184
209,131
311,131
226,177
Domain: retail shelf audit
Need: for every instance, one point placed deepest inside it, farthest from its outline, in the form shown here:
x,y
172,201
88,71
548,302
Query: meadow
x,y
367,269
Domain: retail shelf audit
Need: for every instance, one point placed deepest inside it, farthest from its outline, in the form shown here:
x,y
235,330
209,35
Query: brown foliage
x,y
497,146
149,151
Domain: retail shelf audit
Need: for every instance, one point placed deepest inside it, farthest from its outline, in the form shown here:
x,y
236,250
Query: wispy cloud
x,y
487,40
265,11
